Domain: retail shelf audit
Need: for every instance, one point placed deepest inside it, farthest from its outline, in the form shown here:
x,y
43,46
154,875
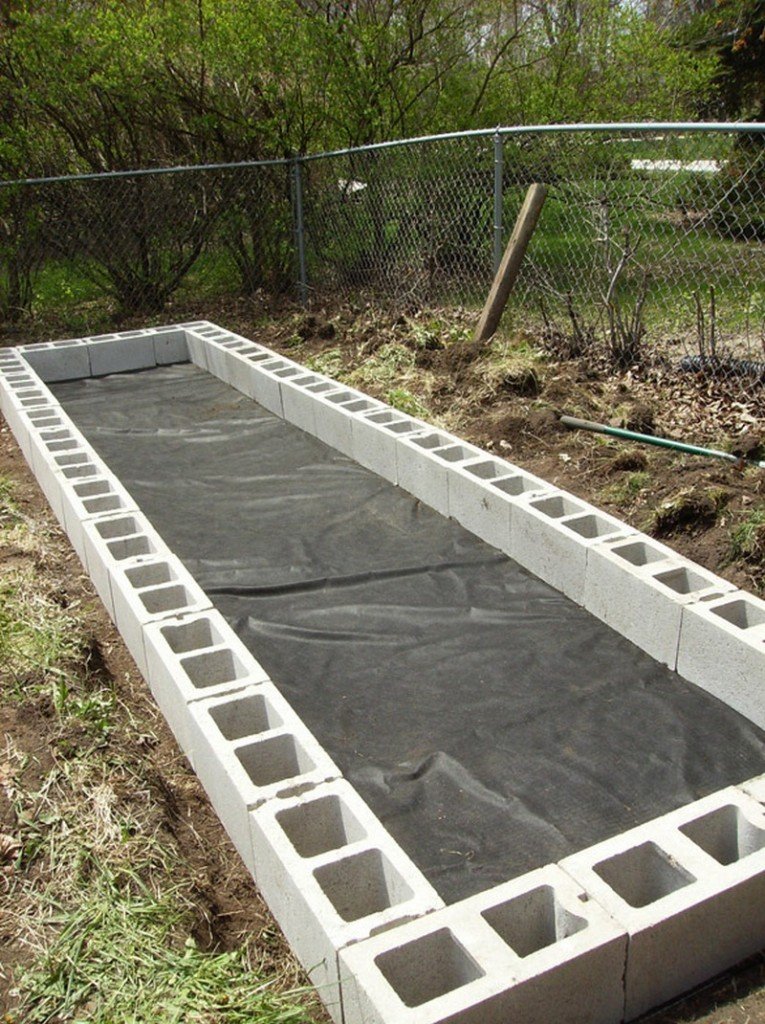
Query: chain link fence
x,y
651,244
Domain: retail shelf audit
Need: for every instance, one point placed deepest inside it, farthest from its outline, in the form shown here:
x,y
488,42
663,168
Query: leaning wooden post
x,y
511,262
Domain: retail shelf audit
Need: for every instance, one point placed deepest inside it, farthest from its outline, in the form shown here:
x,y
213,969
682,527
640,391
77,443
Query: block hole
x,y
63,445
212,668
725,834
430,441
341,396
741,613
122,527
75,472
362,884
246,716
401,426
191,636
590,526
643,875
533,920
157,600
486,470
274,364
322,388
275,759
56,435
360,405
107,503
384,417
291,371
258,357
449,966
638,553
515,485
78,458
454,453
91,488
130,547
556,507
319,826
150,575
682,581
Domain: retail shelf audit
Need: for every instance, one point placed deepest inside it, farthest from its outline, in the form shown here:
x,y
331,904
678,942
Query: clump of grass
x,y
36,634
331,363
747,539
120,957
625,491
406,402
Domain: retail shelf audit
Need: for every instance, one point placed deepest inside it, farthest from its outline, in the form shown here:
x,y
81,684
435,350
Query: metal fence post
x,y
498,156
297,198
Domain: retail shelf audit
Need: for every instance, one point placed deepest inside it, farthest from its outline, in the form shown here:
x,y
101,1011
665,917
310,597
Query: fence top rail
x,y
616,127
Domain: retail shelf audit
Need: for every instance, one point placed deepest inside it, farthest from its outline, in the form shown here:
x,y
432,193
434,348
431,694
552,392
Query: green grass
x,y
119,957
748,536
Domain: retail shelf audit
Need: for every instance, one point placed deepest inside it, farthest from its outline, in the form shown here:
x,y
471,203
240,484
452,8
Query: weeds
x,y
747,539
120,956
406,402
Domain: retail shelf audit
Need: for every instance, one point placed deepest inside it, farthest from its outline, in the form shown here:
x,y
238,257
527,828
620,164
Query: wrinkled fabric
x,y
492,724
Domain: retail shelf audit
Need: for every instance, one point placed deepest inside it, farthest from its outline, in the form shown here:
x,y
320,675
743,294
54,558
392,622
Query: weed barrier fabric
x,y
492,724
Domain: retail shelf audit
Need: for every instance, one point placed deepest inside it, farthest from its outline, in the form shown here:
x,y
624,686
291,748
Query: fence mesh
x,y
651,244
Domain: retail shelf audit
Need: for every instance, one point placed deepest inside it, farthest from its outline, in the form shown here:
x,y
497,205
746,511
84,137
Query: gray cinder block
x,y
689,889
534,950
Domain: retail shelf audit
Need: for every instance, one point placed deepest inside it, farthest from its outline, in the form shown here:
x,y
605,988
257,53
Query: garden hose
x,y
660,442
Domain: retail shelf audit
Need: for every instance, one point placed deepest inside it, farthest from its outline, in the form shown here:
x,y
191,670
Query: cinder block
x,y
375,439
239,364
299,393
481,495
534,950
192,658
26,424
225,353
170,346
639,587
89,498
197,345
27,409
260,379
59,456
111,540
249,747
550,536
131,350
336,411
149,590
722,650
689,888
332,876
423,463
58,360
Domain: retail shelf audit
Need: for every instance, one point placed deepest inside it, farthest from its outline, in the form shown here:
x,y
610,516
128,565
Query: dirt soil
x,y
507,399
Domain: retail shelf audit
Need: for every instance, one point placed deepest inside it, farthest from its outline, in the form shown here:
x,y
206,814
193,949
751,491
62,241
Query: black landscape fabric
x,y
492,724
